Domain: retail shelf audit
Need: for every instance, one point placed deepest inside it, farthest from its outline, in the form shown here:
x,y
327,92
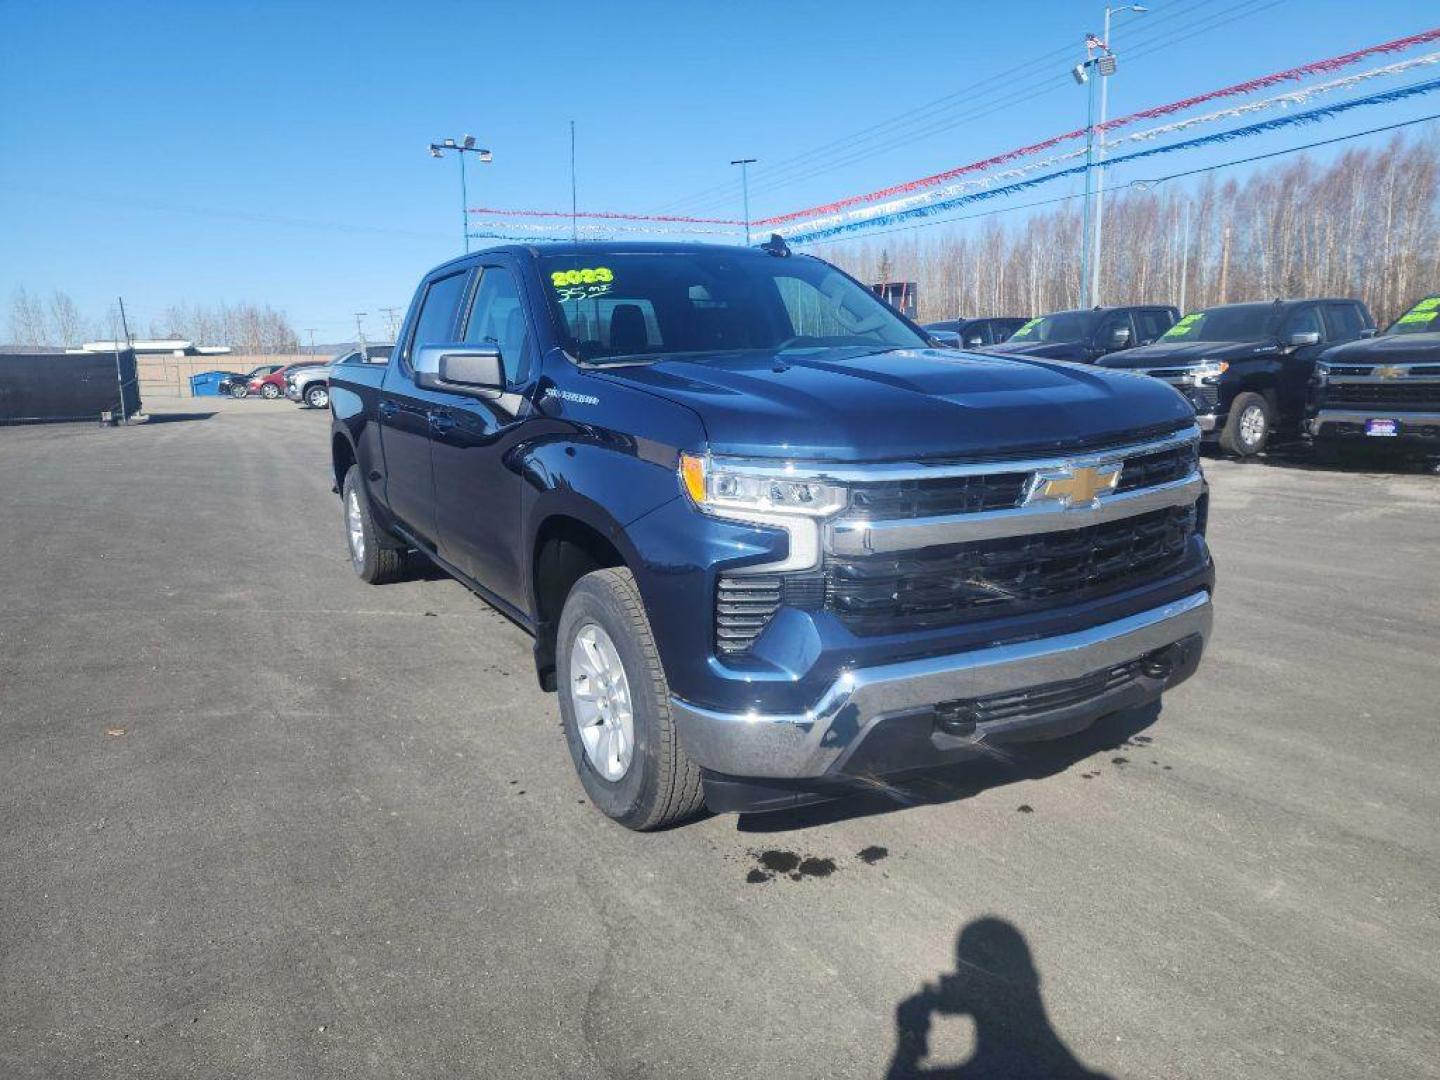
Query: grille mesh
x,y
1397,394
955,583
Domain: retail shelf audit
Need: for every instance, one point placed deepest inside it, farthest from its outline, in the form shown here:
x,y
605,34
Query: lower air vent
x,y
744,605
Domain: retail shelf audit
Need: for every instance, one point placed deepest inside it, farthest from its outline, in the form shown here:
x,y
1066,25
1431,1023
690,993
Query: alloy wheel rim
x,y
1252,424
355,529
320,399
600,693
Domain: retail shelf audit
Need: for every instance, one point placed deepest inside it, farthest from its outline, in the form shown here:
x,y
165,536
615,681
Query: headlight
x,y
765,495
1209,371
735,490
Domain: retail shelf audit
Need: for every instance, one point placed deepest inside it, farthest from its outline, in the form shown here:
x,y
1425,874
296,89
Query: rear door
x,y
477,490
406,411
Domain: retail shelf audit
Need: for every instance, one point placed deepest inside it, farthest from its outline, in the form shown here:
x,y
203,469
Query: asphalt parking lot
x,y
262,820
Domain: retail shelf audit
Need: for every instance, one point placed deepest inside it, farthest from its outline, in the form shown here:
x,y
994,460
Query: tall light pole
x,y
466,145
360,330
745,164
1138,9
311,331
1084,75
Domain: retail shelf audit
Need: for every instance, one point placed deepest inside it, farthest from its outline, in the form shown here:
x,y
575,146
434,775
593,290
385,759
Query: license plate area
x,y
1385,429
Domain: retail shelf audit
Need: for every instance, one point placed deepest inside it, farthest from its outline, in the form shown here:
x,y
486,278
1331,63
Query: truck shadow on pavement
x,y
1000,765
176,417
996,985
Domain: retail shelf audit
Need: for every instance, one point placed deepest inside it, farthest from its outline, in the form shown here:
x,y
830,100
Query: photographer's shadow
x,y
995,984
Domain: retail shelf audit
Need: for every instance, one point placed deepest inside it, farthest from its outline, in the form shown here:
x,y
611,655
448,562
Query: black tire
x,y
270,391
380,560
661,785
317,396
238,392
1249,425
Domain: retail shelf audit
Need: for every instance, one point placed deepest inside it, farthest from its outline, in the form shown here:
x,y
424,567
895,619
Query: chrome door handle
x,y
388,409
440,422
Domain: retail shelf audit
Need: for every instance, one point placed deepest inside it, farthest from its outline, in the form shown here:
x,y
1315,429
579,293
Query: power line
x,y
1025,93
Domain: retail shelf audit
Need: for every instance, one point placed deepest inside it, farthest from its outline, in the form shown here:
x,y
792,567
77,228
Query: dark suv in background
x,y
1085,335
1384,391
1246,367
974,333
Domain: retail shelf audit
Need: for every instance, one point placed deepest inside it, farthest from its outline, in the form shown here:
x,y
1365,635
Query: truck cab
x,y
1245,368
1084,336
974,333
1382,392
770,544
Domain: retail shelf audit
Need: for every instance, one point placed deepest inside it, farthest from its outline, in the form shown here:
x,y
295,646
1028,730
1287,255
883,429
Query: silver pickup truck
x,y
310,386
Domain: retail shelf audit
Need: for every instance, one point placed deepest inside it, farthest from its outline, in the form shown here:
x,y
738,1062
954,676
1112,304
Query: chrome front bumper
x,y
812,743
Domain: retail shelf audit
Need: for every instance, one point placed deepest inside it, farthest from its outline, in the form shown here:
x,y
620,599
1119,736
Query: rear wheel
x,y
374,555
318,396
1248,427
615,706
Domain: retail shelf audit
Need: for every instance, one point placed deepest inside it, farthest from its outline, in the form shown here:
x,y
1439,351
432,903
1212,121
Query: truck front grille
x,y
937,496
955,583
1391,395
1161,467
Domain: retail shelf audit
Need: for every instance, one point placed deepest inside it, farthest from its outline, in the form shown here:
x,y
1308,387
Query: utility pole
x,y
1099,132
745,164
311,331
390,316
1184,256
466,145
574,198
360,330
119,370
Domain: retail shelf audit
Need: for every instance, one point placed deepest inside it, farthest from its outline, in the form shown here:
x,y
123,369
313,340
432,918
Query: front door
x,y
477,487
407,411
1297,364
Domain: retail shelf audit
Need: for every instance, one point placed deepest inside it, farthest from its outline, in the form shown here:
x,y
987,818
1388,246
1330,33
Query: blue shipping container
x,y
207,383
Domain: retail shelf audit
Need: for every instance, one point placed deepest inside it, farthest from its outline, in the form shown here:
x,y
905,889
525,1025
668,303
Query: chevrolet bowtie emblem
x,y
1078,486
1389,372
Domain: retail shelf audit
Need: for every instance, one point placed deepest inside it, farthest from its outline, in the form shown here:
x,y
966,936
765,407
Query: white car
x,y
310,386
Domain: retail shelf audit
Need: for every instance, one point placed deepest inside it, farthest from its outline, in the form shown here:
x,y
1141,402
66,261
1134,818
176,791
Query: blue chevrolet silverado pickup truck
x,y
772,545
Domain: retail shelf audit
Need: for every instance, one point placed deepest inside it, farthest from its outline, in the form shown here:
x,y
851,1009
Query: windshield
x,y
261,371
1238,322
1063,326
649,304
1423,318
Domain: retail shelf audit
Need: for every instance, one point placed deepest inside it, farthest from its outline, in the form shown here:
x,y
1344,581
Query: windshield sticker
x,y
585,284
1028,326
1418,316
597,275
1186,323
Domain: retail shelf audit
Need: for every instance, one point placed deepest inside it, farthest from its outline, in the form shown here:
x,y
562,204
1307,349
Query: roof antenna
x,y
776,246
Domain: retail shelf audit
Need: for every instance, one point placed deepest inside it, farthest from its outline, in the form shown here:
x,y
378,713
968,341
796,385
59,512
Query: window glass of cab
x,y
435,325
1304,321
1342,322
1115,321
1150,323
497,317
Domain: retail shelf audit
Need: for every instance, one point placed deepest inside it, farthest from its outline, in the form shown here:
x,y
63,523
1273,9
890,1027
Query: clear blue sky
x,y
275,152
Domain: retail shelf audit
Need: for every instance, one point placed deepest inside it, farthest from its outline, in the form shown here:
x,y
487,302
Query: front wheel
x,y
269,391
238,391
1247,429
374,556
318,397
615,706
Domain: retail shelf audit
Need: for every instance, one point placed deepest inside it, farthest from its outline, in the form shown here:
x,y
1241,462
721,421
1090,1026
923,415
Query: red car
x,y
273,385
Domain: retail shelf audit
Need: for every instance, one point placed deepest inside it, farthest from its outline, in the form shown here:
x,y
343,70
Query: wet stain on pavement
x,y
772,864
871,855
1025,808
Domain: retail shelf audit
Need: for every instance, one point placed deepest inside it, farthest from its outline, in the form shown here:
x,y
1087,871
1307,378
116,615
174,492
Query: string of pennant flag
x,y
979,180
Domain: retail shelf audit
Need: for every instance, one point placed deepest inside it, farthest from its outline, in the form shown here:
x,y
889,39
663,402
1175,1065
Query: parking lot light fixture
x,y
465,145
745,164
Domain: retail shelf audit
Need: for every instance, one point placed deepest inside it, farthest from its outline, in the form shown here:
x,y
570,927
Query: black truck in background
x,y
1246,367
1085,335
1382,392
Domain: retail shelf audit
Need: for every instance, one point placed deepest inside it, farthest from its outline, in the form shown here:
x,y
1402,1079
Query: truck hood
x,y
1055,350
860,405
1182,353
1391,349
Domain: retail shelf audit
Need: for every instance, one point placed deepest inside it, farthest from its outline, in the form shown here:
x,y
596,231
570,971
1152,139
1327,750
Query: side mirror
x,y
1303,337
463,368
1119,337
1370,331
974,341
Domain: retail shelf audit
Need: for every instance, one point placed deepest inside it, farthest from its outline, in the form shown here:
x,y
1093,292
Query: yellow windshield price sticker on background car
x,y
1188,321
1419,315
595,275
1027,326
